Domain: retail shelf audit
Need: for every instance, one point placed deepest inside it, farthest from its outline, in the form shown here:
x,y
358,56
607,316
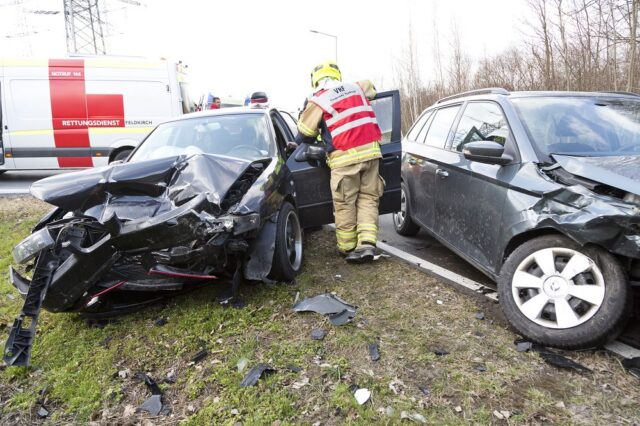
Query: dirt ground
x,y
438,361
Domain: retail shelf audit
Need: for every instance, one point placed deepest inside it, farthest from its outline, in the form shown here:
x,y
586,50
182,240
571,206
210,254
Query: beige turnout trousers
x,y
356,191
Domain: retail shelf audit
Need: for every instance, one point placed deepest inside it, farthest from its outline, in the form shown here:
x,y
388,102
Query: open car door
x,y
311,177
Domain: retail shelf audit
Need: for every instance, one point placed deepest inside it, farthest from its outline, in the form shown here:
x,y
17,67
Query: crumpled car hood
x,y
179,178
621,172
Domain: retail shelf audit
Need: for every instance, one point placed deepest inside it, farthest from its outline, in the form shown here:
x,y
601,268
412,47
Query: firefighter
x,y
343,117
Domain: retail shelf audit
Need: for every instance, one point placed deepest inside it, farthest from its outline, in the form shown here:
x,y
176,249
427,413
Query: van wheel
x,y
121,155
287,257
558,293
402,221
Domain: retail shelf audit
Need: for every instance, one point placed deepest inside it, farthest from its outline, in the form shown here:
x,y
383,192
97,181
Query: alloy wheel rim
x,y
400,217
293,240
558,288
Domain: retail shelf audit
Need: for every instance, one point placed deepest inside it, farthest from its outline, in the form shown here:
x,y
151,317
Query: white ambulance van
x,y
83,111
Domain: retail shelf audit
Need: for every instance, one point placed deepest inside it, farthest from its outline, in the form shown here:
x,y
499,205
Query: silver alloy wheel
x,y
399,217
558,288
293,240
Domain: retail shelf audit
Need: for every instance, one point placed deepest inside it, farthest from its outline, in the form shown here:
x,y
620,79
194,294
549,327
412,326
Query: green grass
x,y
78,365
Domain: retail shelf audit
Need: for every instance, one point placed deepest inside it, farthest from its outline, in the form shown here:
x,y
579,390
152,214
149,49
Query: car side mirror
x,y
312,152
488,152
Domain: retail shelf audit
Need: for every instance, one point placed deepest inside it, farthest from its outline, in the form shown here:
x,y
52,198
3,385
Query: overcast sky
x,y
236,47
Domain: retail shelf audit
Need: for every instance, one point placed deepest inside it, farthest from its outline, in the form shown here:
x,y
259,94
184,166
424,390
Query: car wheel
x,y
122,155
402,221
287,257
558,293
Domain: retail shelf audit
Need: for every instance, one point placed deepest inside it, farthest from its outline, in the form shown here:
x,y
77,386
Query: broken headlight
x,y
32,245
239,224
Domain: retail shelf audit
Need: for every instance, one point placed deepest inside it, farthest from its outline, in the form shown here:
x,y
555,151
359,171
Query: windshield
x,y
582,126
236,135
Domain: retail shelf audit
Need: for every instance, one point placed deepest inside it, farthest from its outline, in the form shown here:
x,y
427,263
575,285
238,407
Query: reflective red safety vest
x,y
348,115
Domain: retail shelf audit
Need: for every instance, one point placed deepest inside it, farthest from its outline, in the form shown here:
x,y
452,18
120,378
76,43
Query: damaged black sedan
x,y
541,192
203,198
212,197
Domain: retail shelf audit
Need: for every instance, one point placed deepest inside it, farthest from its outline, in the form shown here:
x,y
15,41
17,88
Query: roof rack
x,y
492,90
619,92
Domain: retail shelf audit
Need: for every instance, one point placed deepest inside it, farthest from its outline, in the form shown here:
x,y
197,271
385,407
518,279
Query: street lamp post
x,y
335,37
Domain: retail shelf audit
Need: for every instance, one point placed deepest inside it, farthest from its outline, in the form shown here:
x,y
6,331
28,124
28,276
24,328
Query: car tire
x,y
122,155
586,310
287,257
402,221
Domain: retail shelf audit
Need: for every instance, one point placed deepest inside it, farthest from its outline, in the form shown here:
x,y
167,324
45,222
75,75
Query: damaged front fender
x,y
584,215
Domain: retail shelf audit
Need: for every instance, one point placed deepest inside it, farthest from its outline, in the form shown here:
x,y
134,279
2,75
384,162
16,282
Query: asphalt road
x,y
428,248
15,183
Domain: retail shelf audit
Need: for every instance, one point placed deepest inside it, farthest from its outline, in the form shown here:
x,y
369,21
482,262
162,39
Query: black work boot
x,y
361,254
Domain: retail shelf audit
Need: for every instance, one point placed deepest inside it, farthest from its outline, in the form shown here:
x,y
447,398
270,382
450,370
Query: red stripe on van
x,y
69,103
75,162
107,108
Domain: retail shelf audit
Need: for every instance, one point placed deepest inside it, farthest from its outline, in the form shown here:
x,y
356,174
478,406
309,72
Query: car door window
x,y
283,134
481,121
383,109
291,123
438,132
417,127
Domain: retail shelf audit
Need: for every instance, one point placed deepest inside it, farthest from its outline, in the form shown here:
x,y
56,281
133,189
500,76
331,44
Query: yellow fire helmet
x,y
326,69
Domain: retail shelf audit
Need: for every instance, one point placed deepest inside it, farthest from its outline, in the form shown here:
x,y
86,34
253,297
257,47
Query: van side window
x,y
481,121
439,130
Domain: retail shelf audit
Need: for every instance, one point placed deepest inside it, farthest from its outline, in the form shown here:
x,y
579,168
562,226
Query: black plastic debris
x,y
523,345
550,357
480,316
338,311
425,390
440,352
42,412
153,405
374,351
200,356
255,374
341,318
480,368
632,365
293,368
560,361
478,334
160,322
318,334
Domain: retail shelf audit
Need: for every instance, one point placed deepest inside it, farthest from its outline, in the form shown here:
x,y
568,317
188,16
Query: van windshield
x,y
581,125
235,135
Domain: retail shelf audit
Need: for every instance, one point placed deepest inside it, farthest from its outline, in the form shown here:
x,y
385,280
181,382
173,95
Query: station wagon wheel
x,y
402,221
558,287
287,257
558,293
